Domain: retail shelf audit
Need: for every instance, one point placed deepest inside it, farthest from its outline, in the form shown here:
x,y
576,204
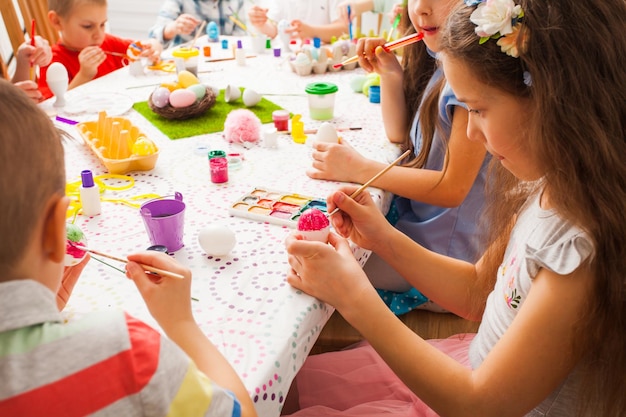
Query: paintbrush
x,y
148,268
239,23
32,43
198,32
313,131
374,178
121,55
396,22
388,47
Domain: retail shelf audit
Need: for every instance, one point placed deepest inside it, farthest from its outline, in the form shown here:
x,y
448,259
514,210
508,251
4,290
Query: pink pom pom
x,y
241,126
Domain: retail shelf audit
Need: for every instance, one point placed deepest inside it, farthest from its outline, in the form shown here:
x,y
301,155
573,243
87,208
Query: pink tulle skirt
x,y
357,382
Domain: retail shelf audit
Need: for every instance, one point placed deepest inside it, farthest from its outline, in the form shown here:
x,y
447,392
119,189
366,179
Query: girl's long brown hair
x,y
419,68
575,56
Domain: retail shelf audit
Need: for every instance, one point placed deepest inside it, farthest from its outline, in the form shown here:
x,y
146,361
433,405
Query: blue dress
x,y
449,231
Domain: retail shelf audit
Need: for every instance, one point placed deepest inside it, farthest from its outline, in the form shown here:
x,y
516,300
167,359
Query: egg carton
x,y
303,62
111,139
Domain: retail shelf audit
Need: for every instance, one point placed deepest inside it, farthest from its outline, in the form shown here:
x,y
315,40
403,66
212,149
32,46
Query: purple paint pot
x,y
164,220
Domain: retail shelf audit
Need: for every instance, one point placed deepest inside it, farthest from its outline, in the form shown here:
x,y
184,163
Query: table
x,y
242,302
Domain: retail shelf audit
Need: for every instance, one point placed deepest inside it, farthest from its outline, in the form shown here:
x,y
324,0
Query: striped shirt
x,y
107,364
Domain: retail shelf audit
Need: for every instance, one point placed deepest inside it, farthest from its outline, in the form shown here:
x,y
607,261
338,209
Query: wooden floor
x,y
338,334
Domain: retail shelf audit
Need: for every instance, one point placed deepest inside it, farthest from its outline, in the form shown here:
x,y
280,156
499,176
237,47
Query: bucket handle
x,y
146,211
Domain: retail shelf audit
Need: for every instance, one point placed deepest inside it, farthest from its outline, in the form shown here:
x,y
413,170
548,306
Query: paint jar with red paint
x,y
281,120
218,164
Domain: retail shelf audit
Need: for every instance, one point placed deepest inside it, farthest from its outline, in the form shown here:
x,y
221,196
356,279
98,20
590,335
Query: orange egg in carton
x,y
120,145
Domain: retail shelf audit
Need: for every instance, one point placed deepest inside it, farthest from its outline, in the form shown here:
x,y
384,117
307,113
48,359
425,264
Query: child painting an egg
x,y
86,51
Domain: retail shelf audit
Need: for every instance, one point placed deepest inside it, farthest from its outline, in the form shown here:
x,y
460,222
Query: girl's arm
x,y
303,30
444,189
373,58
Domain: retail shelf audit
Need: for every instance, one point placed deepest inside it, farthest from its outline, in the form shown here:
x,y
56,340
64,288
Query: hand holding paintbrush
x,y
374,178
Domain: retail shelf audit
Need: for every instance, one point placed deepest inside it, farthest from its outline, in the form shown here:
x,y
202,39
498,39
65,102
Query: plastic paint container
x,y
374,91
190,57
321,100
281,120
218,163
207,51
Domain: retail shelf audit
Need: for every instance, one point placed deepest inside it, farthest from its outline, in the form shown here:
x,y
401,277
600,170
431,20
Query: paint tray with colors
x,y
278,207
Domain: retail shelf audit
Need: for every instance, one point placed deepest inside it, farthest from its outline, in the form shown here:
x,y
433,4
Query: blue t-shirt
x,y
449,231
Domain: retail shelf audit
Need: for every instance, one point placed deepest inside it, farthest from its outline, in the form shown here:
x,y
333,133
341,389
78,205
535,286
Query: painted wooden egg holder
x,y
111,140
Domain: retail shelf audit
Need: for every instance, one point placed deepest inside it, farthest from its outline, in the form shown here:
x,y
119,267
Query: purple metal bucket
x,y
164,220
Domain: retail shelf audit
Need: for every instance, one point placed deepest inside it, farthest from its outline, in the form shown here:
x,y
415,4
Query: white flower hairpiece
x,y
498,19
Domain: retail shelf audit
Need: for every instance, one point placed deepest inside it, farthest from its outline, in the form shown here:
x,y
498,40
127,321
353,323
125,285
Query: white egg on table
x,y
327,133
217,240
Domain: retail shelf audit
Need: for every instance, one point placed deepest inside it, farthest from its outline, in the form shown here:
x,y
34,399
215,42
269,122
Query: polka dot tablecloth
x,y
242,301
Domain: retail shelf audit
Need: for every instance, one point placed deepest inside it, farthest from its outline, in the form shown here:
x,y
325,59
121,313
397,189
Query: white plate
x,y
114,104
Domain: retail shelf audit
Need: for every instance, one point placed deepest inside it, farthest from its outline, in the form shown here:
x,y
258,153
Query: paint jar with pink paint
x,y
164,220
281,120
321,100
218,164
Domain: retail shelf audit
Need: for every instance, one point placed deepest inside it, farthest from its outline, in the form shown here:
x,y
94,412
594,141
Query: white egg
x,y
327,133
217,240
56,72
250,97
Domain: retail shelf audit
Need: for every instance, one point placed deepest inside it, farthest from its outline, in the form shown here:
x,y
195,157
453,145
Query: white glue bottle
x,y
240,54
89,194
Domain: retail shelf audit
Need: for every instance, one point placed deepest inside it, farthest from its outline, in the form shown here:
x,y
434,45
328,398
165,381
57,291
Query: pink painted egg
x,y
182,98
314,225
75,239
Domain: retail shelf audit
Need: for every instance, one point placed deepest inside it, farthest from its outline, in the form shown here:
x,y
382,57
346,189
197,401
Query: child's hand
x,y
299,29
168,299
151,49
69,279
358,219
373,58
327,272
398,9
335,162
185,24
40,54
31,89
90,59
257,16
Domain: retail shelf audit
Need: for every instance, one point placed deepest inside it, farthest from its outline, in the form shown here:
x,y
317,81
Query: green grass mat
x,y
210,122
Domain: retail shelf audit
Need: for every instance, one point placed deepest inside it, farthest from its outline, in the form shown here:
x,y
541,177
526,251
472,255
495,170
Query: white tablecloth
x,y
244,305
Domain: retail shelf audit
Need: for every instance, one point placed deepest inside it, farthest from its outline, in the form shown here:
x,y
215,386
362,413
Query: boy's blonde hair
x,y
64,7
32,170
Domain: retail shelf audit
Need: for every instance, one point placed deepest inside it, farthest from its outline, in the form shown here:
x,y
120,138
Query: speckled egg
x,y
182,98
160,97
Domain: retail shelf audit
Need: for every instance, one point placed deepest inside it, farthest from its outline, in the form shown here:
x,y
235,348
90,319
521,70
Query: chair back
x,y
38,10
12,23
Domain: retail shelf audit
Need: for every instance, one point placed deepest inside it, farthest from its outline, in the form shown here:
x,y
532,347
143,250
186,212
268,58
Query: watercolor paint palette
x,y
278,207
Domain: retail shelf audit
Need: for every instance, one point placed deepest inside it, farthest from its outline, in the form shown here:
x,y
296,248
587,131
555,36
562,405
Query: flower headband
x,y
498,19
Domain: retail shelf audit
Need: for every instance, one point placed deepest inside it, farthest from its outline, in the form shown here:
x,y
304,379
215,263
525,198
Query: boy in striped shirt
x,y
107,364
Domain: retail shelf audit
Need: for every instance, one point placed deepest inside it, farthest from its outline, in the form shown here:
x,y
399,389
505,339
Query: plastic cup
x,y
258,44
321,100
190,58
164,220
